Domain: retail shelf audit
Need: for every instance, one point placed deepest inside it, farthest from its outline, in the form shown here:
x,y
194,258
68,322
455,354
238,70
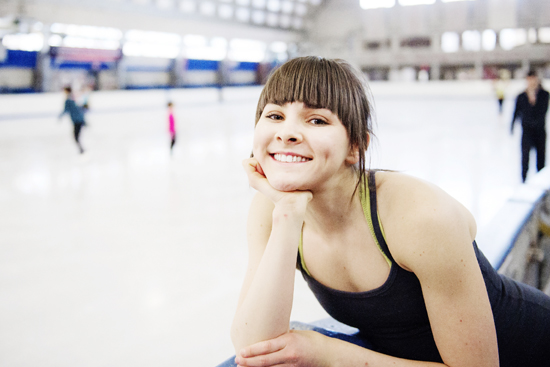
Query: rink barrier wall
x,y
503,233
47,105
14,106
52,71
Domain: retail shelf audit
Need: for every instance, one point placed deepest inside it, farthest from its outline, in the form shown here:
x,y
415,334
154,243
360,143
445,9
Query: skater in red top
x,y
171,126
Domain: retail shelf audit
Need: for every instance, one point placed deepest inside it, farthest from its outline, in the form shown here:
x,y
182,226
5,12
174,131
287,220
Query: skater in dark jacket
x,y
531,108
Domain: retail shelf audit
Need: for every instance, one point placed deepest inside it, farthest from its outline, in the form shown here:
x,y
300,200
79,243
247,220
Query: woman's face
x,y
301,148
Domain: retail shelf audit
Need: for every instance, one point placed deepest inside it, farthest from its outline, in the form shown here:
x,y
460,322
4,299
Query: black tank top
x,y
394,319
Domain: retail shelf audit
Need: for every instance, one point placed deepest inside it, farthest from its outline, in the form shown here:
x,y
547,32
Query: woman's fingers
x,y
258,181
261,348
262,361
263,354
259,169
253,168
256,177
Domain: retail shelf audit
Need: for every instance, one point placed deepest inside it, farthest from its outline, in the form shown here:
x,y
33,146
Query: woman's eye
x,y
274,116
318,122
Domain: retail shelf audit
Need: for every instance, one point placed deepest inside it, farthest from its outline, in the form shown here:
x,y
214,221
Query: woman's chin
x,y
286,186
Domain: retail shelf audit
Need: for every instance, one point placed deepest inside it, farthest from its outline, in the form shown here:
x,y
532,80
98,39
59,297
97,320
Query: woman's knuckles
x,y
263,361
267,346
293,357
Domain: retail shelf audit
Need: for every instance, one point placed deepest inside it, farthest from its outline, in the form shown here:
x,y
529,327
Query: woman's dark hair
x,y
325,83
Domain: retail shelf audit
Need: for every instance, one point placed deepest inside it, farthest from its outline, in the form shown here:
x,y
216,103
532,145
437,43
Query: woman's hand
x,y
257,179
297,348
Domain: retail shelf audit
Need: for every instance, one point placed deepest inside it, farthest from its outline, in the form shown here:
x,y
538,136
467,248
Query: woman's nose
x,y
289,133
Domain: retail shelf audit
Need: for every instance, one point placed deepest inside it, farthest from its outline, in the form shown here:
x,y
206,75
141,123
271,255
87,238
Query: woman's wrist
x,y
285,213
293,203
332,349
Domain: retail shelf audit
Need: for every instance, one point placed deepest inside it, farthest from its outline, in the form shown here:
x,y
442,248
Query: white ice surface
x,y
127,256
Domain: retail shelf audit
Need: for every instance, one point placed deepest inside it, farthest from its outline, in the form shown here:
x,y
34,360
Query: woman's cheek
x,y
258,146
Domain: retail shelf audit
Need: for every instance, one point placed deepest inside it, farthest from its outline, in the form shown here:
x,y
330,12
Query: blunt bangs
x,y
314,81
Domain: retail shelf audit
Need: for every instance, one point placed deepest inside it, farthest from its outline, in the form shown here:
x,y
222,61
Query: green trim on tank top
x,y
365,203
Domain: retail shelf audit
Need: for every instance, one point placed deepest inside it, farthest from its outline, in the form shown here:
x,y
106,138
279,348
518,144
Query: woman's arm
x,y
306,348
431,234
274,229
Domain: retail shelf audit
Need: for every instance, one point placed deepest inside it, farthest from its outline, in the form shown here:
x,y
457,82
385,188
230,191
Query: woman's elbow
x,y
237,338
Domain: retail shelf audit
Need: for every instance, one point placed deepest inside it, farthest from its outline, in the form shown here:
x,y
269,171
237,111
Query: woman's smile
x,y
289,158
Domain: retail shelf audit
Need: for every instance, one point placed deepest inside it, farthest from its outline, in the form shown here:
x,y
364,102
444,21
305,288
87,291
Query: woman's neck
x,y
330,208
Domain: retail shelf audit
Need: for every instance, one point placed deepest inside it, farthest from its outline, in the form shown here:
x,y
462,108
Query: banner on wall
x,y
19,59
84,58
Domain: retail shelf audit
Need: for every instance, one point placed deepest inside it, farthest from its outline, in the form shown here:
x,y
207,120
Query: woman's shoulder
x,y
412,193
405,190
411,208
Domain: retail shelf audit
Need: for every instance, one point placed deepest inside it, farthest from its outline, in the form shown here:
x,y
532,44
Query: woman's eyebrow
x,y
272,105
320,109
312,107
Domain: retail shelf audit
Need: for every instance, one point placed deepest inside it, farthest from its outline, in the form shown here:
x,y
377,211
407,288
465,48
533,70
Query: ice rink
x,y
128,256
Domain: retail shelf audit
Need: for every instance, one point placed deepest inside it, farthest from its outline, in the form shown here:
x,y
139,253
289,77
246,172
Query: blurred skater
x,y
77,115
499,85
531,108
171,126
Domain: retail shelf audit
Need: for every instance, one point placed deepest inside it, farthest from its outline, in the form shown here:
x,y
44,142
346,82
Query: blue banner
x,y
20,59
202,64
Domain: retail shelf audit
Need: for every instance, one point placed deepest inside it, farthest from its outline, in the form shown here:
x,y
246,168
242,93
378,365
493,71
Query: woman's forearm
x,y
310,348
265,310
347,355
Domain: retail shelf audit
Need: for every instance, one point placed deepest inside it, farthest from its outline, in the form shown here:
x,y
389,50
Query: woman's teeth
x,y
289,158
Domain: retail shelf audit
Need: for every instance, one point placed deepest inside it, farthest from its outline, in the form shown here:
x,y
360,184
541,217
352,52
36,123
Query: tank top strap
x,y
369,204
374,219
300,263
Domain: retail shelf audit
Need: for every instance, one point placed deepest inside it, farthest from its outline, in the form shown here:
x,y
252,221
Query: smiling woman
x,y
384,252
333,96
300,148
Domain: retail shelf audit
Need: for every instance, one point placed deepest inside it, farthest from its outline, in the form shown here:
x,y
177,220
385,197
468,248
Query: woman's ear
x,y
353,156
